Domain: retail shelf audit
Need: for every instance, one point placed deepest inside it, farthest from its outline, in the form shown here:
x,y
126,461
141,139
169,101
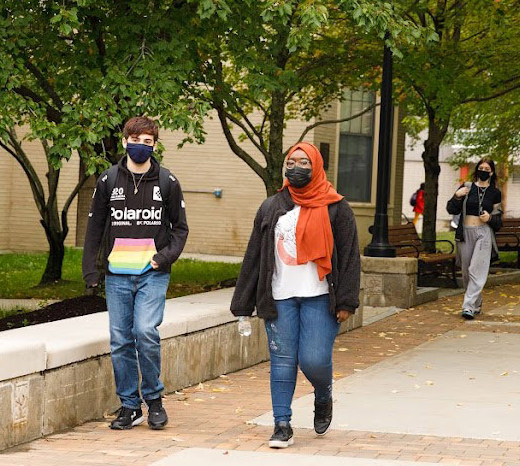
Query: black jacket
x,y
123,214
253,288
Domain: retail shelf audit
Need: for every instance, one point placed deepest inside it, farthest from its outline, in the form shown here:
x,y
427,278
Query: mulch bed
x,y
85,305
73,307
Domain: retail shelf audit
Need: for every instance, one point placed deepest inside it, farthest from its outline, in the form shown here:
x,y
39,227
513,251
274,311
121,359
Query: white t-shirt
x,y
291,280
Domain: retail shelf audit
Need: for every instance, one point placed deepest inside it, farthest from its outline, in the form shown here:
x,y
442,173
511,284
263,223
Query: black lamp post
x,y
380,247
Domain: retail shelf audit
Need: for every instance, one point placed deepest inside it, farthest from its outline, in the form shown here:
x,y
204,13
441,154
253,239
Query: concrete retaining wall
x,y
58,375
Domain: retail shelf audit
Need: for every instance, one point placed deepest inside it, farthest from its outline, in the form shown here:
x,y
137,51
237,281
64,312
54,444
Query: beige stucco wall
x,y
20,228
217,225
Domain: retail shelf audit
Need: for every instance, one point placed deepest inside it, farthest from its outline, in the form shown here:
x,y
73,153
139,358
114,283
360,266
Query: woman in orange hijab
x,y
301,271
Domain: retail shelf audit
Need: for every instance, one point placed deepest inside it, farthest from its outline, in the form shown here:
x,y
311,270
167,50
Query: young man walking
x,y
137,228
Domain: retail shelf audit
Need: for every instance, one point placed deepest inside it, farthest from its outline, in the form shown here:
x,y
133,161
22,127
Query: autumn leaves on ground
x,y
216,414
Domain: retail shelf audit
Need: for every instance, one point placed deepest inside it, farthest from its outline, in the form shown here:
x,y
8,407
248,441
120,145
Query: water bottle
x,y
244,326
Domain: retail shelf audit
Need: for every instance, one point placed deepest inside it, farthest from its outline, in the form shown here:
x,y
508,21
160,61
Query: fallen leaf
x,y
198,399
429,382
179,393
503,374
177,439
417,386
395,391
342,349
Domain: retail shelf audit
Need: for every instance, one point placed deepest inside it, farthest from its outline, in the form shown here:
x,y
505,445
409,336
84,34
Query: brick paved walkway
x,y
215,414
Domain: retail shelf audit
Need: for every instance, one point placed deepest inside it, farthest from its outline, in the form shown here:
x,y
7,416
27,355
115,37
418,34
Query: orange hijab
x,y
314,240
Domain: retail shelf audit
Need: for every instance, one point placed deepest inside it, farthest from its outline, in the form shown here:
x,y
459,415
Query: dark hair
x,y
140,125
422,186
493,180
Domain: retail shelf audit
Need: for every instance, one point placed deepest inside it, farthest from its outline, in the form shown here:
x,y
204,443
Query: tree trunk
x,y
56,241
53,230
276,156
502,182
432,170
275,179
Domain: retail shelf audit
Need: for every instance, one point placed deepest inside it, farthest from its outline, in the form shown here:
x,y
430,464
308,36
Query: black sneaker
x,y
157,417
282,436
322,417
468,314
127,418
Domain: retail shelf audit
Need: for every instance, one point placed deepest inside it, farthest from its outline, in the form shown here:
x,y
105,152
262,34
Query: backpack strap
x,y
165,187
111,179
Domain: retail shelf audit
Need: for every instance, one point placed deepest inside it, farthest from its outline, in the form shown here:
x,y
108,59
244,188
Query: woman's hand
x,y
342,315
485,216
461,192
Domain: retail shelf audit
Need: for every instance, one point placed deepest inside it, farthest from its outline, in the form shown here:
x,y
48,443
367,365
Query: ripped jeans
x,y
304,334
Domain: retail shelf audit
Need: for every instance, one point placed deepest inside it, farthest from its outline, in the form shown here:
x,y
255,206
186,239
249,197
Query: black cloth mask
x,y
483,175
139,153
299,177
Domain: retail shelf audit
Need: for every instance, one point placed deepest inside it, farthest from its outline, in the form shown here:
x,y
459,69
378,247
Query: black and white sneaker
x,y
127,418
282,436
157,417
322,417
468,314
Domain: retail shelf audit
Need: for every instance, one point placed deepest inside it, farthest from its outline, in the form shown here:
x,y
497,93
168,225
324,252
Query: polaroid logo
x,y
136,214
157,194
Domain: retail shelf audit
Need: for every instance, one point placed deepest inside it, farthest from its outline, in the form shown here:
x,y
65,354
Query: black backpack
x,y
413,199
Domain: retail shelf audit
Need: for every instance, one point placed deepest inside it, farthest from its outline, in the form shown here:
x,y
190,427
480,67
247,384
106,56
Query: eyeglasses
x,y
303,163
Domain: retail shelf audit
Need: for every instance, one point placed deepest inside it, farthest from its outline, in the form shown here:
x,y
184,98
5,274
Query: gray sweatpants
x,y
474,258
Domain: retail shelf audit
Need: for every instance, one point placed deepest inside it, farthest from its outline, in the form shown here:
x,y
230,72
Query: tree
x,y
72,73
262,63
473,60
490,129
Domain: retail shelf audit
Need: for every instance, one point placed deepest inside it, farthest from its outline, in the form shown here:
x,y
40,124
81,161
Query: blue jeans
x,y
135,309
304,334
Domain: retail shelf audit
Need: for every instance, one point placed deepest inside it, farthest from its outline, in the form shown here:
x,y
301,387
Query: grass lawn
x,y
21,273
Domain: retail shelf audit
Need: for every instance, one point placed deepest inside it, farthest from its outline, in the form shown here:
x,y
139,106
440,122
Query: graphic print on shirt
x,y
285,234
131,256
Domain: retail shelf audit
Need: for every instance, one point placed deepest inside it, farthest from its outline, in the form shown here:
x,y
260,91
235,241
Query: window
x,y
356,147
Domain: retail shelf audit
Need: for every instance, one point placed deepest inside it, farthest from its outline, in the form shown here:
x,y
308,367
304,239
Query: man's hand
x,y
92,290
154,264
342,315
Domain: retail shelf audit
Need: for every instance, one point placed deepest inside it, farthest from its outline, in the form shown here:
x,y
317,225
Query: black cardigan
x,y
253,288
454,207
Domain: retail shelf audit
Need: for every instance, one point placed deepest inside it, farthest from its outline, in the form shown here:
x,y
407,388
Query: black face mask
x,y
483,175
299,177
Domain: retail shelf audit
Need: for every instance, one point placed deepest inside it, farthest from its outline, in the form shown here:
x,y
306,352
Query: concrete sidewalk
x,y
463,412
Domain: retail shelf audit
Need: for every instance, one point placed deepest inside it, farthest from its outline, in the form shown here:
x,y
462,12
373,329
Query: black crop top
x,y
488,198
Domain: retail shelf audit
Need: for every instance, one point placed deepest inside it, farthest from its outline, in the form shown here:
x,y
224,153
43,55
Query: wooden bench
x,y
408,244
508,237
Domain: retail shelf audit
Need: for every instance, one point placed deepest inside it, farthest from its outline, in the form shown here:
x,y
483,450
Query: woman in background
x,y
478,204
